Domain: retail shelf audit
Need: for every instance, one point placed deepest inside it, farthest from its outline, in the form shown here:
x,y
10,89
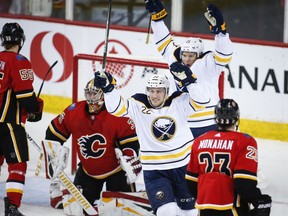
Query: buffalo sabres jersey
x,y
207,69
96,137
164,136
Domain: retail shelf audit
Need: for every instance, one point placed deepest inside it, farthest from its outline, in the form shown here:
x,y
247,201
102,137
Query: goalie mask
x,y
227,113
94,97
155,85
194,45
12,34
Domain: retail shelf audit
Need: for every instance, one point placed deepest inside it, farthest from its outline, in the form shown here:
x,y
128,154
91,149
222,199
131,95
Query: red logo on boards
x,y
122,72
48,45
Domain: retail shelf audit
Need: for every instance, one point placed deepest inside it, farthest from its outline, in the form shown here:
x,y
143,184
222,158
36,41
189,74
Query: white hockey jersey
x,y
164,136
207,68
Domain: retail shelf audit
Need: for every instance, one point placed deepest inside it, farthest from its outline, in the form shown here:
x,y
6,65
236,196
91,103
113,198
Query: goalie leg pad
x,y
56,195
51,151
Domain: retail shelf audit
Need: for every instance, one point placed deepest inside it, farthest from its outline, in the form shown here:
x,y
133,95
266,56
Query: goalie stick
x,y
39,163
74,191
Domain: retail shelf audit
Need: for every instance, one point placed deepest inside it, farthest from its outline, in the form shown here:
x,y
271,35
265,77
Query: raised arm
x,y
115,104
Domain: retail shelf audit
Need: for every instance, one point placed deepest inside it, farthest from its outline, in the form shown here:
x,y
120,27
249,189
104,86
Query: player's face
x,y
156,96
188,58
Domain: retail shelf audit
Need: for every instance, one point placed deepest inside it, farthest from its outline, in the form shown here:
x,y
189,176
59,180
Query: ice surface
x,y
273,159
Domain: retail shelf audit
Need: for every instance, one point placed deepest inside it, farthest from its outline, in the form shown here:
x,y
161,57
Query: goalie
x,y
97,134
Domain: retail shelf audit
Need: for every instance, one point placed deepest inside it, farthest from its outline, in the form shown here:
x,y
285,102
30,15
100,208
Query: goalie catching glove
x,y
105,81
215,20
156,9
130,164
262,206
182,74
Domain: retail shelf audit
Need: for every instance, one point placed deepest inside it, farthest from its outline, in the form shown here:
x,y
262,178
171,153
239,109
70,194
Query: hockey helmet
x,y
94,97
227,113
192,45
158,81
12,34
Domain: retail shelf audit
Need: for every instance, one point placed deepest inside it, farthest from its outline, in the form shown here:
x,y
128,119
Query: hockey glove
x,y
156,9
182,74
104,81
36,116
262,206
215,19
131,165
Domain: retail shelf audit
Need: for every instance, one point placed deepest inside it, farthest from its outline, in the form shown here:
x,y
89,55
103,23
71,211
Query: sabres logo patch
x,y
163,128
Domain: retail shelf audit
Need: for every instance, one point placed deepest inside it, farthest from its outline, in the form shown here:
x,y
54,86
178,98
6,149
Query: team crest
x,y
163,128
93,146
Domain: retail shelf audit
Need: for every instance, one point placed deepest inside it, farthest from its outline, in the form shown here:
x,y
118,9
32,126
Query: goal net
x,y
131,73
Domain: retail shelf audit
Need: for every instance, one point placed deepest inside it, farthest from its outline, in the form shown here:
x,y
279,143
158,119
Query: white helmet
x,y
192,45
158,81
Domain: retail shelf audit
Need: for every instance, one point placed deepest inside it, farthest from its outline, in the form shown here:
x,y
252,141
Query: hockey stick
x,y
149,30
107,35
40,89
74,191
39,163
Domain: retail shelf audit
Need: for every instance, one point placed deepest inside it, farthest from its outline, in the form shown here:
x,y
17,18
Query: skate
x,y
11,210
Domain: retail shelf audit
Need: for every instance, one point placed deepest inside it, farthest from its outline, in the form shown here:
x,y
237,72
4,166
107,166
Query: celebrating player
x,y
222,172
164,136
97,134
18,103
207,66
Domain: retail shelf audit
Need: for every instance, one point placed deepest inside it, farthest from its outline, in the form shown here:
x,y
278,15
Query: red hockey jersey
x,y
217,159
16,91
96,137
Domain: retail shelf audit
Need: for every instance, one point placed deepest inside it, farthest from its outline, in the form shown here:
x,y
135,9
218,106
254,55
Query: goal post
x,y
131,73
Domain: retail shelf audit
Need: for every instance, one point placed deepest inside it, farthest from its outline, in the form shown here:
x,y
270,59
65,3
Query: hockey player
x,y
222,172
97,134
164,136
207,66
18,103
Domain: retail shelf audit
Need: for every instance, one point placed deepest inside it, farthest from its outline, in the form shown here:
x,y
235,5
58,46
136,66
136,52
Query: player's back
x,y
216,157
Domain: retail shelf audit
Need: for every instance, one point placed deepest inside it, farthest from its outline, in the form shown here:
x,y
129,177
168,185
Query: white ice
x,y
273,158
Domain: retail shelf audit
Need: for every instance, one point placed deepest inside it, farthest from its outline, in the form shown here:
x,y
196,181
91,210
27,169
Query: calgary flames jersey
x,y
218,159
96,137
17,95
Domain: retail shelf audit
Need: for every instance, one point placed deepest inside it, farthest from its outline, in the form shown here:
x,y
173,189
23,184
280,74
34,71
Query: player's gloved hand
x,y
262,206
182,74
130,164
104,81
156,9
215,19
36,116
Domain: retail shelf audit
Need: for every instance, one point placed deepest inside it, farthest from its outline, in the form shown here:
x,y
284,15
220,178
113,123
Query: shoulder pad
x,y
143,99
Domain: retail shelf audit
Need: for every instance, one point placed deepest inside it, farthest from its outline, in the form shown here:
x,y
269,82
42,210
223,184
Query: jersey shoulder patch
x,y
72,107
20,57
